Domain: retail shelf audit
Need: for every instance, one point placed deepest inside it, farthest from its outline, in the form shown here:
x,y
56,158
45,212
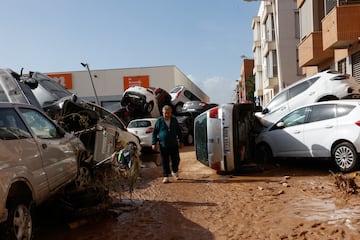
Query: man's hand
x,y
154,147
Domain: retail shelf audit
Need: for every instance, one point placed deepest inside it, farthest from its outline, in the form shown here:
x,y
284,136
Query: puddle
x,y
328,211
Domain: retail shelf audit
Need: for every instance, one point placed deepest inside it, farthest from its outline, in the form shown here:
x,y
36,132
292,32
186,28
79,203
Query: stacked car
x,y
144,103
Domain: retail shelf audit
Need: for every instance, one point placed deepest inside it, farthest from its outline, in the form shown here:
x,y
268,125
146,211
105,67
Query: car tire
x,y
264,153
149,107
178,107
345,157
124,102
19,224
84,177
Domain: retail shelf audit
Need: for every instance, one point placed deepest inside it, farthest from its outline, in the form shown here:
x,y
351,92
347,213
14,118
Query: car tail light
x,y
214,112
149,130
178,94
358,123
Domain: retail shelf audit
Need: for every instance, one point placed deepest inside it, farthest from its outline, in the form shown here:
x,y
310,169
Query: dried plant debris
x,y
346,184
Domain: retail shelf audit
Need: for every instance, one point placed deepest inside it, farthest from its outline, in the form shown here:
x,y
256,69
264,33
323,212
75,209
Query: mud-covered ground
x,y
288,200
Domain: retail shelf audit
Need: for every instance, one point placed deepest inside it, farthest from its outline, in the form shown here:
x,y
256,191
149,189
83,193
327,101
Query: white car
x,y
328,129
179,96
323,86
141,102
143,128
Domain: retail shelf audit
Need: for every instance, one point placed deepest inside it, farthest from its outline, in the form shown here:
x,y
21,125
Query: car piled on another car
x,y
328,129
140,102
322,86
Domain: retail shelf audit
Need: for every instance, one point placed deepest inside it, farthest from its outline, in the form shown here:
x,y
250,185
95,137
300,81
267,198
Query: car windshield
x,y
139,124
175,89
3,97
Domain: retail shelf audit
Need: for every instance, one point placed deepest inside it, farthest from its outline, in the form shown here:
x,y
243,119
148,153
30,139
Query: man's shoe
x,y
165,180
175,175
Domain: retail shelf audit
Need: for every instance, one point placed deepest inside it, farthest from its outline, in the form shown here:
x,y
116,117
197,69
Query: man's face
x,y
167,114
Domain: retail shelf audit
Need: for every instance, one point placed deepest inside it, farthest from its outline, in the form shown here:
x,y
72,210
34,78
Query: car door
x,y
286,137
320,130
19,150
57,152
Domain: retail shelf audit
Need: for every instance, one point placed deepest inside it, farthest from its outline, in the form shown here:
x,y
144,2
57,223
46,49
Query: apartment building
x,y
329,36
276,36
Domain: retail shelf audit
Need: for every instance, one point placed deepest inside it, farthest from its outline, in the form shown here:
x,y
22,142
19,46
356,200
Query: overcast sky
x,y
205,39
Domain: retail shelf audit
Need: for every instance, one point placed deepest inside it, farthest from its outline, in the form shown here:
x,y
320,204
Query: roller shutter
x,y
355,61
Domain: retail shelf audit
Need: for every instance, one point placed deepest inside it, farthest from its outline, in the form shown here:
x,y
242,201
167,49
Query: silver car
x,y
37,159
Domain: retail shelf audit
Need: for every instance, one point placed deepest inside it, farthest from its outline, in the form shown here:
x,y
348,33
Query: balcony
x,y
311,51
270,83
341,27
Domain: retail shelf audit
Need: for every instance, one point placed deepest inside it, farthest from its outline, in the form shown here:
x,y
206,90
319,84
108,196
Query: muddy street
x,y
297,200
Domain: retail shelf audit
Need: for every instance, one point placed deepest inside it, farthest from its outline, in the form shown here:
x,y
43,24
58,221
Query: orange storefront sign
x,y
64,79
131,81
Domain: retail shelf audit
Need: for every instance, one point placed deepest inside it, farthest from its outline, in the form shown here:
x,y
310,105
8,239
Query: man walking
x,y
168,133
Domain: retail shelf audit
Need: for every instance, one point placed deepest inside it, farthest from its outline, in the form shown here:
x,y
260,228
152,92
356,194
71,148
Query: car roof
x,y
12,104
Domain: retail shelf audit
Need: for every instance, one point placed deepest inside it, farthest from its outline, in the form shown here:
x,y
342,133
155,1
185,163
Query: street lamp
x,y
92,82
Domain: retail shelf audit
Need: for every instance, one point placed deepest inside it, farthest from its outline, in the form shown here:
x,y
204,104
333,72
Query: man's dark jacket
x,y
169,137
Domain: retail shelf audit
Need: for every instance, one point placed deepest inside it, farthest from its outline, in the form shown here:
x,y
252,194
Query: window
x,y
201,139
277,100
322,112
39,124
301,87
295,118
342,109
11,126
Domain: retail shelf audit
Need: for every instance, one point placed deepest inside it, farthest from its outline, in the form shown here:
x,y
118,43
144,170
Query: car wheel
x,y
263,153
345,157
178,107
149,107
124,102
19,224
328,98
84,177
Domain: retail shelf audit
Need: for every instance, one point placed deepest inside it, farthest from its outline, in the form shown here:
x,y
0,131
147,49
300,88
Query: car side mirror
x,y
265,111
280,125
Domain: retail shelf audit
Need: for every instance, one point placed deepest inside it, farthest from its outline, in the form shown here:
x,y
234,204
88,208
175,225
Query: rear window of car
x,y
322,112
343,109
296,90
139,124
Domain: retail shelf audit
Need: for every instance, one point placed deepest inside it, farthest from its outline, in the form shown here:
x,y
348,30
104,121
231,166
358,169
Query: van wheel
x,y
149,107
84,177
345,157
19,224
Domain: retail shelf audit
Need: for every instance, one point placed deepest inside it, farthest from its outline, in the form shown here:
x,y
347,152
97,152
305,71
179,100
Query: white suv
x,y
181,95
327,130
323,86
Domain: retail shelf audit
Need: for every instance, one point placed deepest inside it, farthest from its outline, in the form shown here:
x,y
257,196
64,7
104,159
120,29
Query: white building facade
x,y
276,35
